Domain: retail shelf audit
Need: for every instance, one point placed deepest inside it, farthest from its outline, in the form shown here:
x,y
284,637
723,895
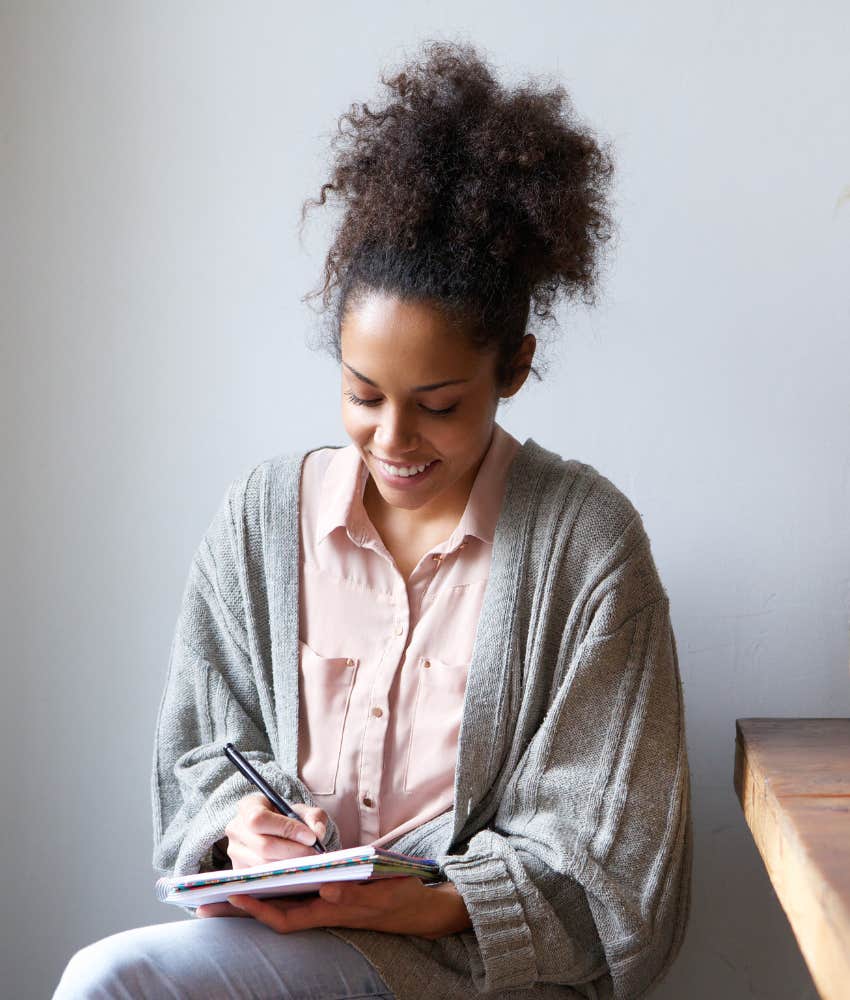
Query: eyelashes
x,y
374,402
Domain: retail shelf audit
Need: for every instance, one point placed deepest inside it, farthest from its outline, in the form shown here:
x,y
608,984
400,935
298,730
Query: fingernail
x,y
306,837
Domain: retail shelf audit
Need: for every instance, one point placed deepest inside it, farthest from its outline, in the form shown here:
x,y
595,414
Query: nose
x,y
396,432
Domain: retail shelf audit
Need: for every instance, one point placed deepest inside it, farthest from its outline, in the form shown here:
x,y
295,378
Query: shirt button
x,y
426,663
377,712
399,628
349,662
367,801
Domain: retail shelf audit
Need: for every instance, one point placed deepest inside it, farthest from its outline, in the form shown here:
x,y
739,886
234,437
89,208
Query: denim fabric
x,y
219,958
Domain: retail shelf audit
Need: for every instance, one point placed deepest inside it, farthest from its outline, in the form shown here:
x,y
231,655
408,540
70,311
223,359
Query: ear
x,y
521,363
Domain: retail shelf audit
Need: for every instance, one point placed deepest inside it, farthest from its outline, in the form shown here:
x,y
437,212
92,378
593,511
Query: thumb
x,y
301,831
314,817
346,893
220,909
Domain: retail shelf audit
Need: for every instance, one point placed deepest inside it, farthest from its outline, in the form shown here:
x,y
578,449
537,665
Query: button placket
x,y
376,724
370,764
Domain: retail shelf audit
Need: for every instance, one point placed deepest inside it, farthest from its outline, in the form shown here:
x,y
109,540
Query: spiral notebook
x,y
295,875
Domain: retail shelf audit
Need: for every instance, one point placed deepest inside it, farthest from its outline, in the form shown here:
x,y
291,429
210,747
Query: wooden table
x,y
792,777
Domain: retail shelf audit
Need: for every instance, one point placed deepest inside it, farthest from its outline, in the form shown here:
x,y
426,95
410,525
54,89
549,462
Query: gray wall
x,y
154,158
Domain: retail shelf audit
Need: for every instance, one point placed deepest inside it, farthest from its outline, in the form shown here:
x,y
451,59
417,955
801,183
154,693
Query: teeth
x,y
409,470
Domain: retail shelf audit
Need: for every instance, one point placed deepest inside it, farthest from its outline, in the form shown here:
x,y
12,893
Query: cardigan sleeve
x,y
209,698
583,875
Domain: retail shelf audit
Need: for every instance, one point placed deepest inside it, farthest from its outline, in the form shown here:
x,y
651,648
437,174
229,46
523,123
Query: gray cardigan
x,y
570,839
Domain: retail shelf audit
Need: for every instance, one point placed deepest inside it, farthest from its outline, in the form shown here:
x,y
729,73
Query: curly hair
x,y
481,201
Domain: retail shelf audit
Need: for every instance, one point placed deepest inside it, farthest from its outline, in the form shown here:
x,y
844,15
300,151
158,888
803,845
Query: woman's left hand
x,y
401,905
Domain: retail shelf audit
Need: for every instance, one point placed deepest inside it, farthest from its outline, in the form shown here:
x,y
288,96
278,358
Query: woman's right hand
x,y
258,833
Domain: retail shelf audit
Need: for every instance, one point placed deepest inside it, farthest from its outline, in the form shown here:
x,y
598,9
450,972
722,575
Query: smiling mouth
x,y
403,465
421,470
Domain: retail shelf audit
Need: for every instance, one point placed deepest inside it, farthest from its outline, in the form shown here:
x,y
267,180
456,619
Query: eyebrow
x,y
418,388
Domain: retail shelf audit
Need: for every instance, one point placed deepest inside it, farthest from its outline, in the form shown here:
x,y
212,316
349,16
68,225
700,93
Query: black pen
x,y
239,761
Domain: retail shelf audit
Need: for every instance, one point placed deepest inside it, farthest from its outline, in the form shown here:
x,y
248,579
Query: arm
x,y
584,870
210,697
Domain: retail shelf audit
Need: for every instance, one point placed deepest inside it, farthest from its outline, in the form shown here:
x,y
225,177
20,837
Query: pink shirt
x,y
383,660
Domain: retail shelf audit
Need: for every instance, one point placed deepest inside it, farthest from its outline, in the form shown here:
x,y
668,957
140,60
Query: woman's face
x,y
402,364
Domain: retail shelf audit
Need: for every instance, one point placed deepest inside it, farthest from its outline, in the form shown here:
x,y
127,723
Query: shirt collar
x,y
344,483
341,497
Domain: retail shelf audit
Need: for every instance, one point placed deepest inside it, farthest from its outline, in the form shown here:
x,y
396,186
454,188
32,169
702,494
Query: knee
x,y
104,970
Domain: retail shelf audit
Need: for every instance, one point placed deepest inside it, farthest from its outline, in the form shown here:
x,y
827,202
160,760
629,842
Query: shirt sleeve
x,y
210,698
583,875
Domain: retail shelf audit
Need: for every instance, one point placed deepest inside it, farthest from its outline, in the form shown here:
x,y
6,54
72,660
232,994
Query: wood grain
x,y
792,777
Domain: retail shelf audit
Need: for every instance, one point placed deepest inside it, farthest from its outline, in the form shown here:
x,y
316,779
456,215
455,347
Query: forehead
x,y
383,330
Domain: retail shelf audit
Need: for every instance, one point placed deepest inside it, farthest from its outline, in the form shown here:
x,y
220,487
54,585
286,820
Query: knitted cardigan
x,y
570,838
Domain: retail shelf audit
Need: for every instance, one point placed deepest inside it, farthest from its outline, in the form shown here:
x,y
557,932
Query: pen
x,y
239,761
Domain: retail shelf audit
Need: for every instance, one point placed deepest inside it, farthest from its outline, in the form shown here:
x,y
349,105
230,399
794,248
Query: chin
x,y
403,503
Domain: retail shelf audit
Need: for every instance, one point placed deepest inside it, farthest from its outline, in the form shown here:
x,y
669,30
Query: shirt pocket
x,y
435,724
324,691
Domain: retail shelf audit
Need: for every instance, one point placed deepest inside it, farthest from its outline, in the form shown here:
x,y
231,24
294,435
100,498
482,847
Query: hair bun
x,y
457,189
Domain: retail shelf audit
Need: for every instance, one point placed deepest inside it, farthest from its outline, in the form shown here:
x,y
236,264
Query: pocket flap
x,y
324,692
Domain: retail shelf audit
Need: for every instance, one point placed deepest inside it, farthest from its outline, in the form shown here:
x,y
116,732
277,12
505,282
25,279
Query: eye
x,y
359,401
374,402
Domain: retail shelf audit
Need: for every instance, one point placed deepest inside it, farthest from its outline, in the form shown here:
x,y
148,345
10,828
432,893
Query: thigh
x,y
219,958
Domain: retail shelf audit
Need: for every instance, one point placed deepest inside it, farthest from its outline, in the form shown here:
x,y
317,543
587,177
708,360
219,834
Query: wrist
x,y
451,915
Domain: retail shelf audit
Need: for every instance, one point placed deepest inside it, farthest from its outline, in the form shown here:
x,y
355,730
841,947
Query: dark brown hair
x,y
483,201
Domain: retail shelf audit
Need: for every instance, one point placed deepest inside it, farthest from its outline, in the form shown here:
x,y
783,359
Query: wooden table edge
x,y
817,915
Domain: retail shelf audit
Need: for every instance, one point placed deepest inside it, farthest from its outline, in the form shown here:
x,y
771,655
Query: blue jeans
x,y
219,958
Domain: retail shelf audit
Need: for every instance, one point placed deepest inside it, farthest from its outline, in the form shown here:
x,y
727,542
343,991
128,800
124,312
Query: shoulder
x,y
269,487
255,506
571,494
587,530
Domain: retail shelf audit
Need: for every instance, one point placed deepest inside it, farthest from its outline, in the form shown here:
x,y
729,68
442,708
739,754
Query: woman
x,y
435,639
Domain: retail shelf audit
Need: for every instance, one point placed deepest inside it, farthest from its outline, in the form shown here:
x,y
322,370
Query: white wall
x,y
154,159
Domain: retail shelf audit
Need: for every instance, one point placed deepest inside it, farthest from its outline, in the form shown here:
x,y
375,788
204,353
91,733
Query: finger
x,y
258,849
373,895
285,916
219,910
271,915
339,895
248,851
315,817
305,833
275,825
262,818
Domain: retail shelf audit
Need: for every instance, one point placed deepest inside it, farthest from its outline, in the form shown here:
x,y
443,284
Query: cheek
x,y
357,420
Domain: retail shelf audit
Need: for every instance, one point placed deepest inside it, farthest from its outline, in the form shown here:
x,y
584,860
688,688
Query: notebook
x,y
295,875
